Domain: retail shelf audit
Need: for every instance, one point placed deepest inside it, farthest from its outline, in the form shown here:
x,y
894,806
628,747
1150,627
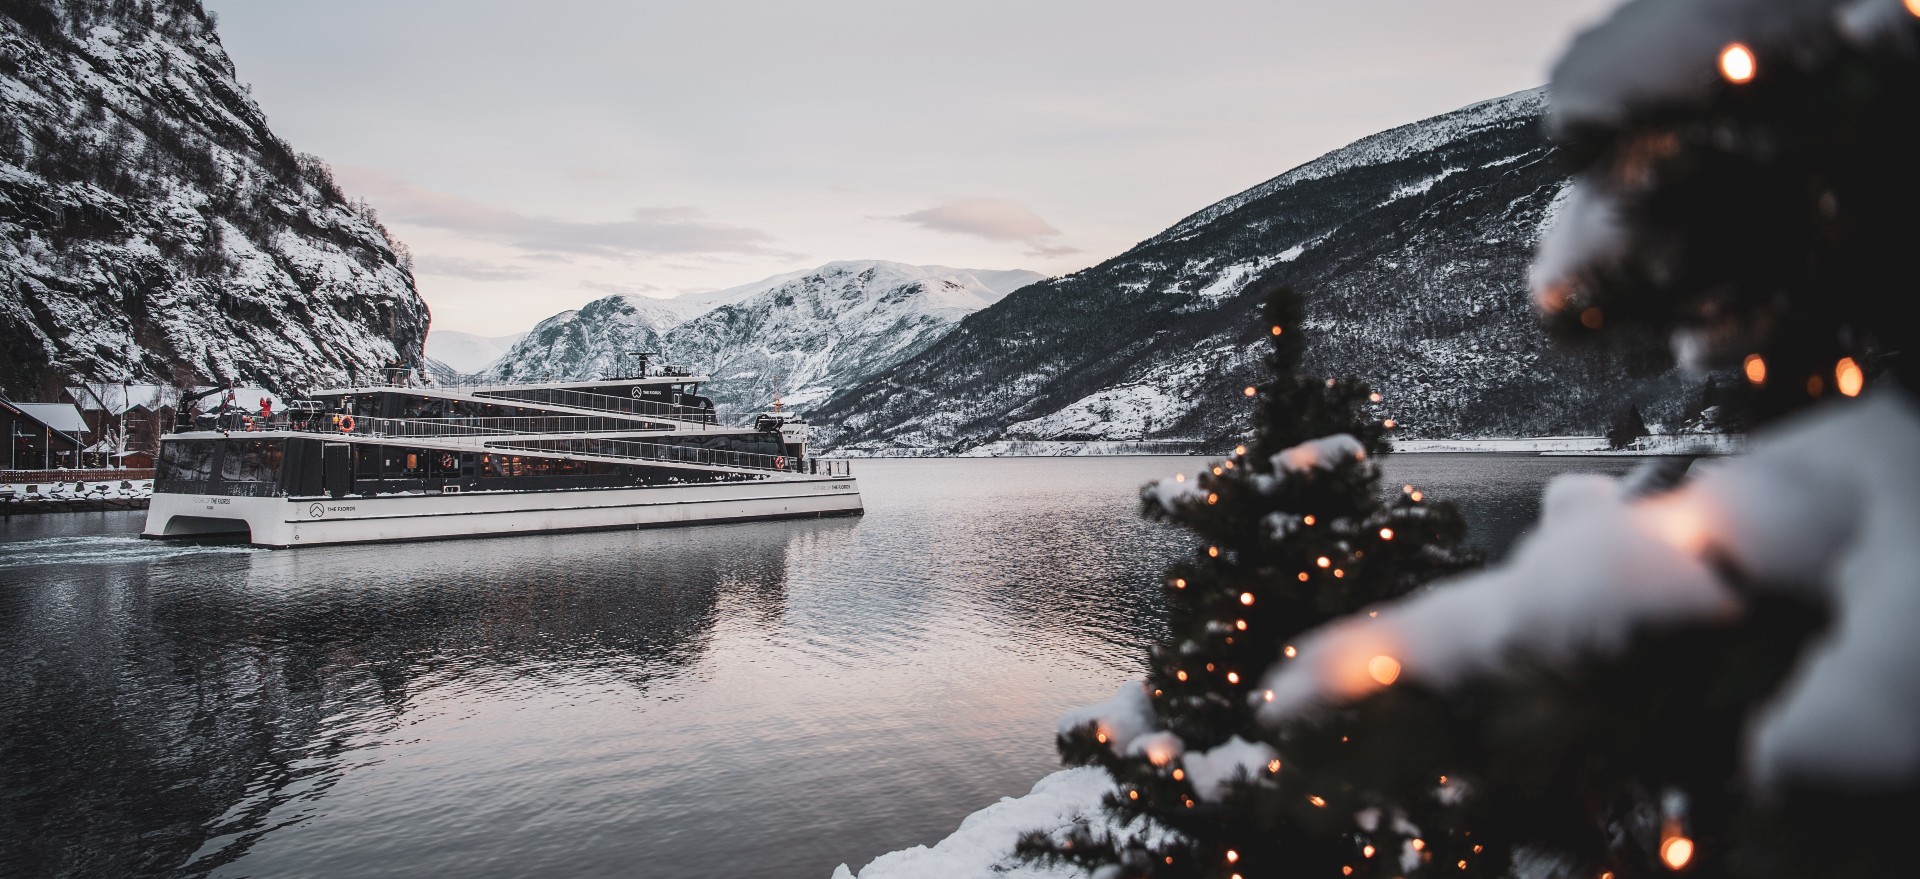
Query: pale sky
x,y
537,156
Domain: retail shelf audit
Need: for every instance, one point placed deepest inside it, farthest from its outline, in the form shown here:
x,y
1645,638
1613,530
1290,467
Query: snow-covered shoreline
x,y
983,845
1572,446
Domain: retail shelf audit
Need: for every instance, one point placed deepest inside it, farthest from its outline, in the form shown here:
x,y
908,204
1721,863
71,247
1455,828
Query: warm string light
x,y
1133,795
1251,391
1212,498
1848,378
1232,856
1179,774
1179,582
1213,552
1338,573
1273,765
1240,624
1737,64
1676,851
1246,598
1389,424
1180,674
1417,497
1290,651
1755,366
1386,534
1366,852
1276,331
1239,450
1346,871
1384,669
1324,562
1233,677
1419,844
1269,695
1375,396
1913,6
1304,576
1317,801
1308,519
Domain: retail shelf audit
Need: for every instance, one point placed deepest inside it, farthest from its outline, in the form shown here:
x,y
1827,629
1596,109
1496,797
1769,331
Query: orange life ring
x,y
246,421
346,424
779,462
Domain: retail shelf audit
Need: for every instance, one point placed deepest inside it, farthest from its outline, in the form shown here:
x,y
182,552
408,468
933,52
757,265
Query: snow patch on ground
x,y
983,845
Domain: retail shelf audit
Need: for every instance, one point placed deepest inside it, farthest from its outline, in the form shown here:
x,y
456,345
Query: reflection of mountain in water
x,y
160,718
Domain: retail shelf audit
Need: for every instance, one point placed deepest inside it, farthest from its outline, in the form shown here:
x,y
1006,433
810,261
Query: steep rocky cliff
x,y
152,227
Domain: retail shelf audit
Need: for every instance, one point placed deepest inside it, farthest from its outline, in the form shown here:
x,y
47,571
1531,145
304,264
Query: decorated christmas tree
x,y
1289,532
1706,671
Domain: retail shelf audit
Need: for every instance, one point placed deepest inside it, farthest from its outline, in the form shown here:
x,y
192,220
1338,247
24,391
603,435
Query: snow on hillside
x,y
1411,248
153,228
466,352
812,332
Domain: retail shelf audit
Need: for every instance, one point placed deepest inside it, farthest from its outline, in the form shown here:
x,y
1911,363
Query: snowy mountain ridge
x,y
1411,248
153,228
810,332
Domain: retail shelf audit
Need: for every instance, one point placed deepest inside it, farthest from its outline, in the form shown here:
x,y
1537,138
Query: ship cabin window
x,y
255,461
182,462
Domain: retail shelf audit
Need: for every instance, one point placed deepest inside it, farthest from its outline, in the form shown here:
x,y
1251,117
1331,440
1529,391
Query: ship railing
x,y
603,403
667,453
339,423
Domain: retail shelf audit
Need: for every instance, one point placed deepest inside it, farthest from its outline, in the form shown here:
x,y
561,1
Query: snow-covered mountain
x,y
468,353
811,332
1411,248
153,228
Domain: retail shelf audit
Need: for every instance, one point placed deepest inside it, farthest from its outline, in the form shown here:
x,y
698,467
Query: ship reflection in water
x,y
762,699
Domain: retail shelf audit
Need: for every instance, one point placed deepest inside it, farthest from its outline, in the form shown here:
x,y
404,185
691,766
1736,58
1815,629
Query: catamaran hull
x,y
282,522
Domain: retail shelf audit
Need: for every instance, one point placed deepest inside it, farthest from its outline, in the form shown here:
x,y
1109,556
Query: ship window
x,y
185,461
252,461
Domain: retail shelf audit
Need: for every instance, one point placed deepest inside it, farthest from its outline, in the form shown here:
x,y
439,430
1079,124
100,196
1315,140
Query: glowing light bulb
x,y
1913,6
1308,519
1367,852
1179,582
1179,774
1239,450
1386,534
1290,651
1304,577
1133,795
1737,64
1373,397
1159,753
1212,498
1246,598
1346,871
1384,669
1251,391
1233,677
1100,737
1755,366
1179,477
1181,674
1676,852
1273,765
1324,562
1213,552
1848,377
1388,424
1463,864
1443,779
1276,331
1317,801
1240,624
1417,497
1232,856
1269,695
1217,471
1227,464
1338,573
1418,844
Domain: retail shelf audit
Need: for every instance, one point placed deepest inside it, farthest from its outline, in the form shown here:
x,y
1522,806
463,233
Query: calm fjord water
x,y
751,700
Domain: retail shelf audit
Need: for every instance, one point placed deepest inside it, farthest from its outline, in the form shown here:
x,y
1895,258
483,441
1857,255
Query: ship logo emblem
x,y
316,511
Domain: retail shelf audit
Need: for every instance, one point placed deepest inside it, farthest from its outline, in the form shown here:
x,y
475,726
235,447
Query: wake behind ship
x,y
398,460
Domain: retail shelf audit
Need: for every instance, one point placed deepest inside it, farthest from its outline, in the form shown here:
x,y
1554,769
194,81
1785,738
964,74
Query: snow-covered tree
x,y
1289,532
1706,670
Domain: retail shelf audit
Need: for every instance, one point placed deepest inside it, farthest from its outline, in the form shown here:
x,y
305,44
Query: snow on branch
x,y
1829,502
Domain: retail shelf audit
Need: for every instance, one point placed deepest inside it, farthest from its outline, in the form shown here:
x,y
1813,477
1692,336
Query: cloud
x,y
653,290
469,269
646,231
994,219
